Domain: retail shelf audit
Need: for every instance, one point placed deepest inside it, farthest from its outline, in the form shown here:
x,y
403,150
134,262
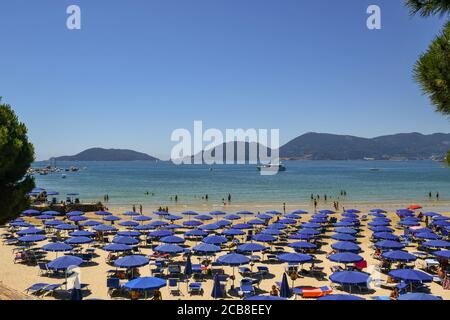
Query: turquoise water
x,y
127,182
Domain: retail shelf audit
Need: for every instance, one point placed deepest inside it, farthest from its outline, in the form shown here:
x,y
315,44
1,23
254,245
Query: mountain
x,y
323,146
99,154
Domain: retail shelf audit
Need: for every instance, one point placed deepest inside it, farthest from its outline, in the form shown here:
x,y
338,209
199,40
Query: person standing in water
x,y
140,208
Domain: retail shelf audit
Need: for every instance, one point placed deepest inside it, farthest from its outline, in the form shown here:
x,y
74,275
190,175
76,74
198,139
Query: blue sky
x,y
140,69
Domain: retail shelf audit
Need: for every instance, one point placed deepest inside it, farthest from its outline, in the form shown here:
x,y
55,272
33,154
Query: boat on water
x,y
271,167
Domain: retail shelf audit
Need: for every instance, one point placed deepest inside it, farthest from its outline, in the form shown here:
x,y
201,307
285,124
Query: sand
x,y
18,277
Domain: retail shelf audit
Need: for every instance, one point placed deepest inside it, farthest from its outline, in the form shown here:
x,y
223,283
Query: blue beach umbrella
x,y
352,211
242,226
343,224
378,224
82,233
211,226
223,223
385,236
90,223
431,214
117,247
125,240
195,233
302,245
410,275
142,218
256,222
203,217
311,225
287,221
285,291
245,213
273,212
111,218
299,212
78,218
398,255
132,261
75,213
160,233
32,238
215,240
64,262
192,223
427,236
130,224
51,212
217,213
375,214
443,254
172,239
206,248
418,296
172,217
272,232
441,223
251,247
301,236
340,297
389,245
382,229
312,232
52,223
378,211
437,244
103,213
131,214
327,211
78,240
189,213
104,228
31,230
343,237
145,283
262,237
57,247
277,226
349,278
232,217
129,233
233,259
233,232
65,226
345,257
31,212
346,230
158,224
440,217
346,246
21,224
144,227
45,217
169,248
299,258
290,216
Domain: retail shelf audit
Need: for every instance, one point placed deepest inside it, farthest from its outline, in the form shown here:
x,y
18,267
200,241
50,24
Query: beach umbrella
x,y
64,262
307,231
285,291
302,245
299,258
77,218
104,228
144,227
301,236
263,297
195,233
203,217
431,214
251,247
217,213
142,218
262,237
340,297
188,267
415,230
441,223
246,213
52,223
66,226
161,213
169,248
256,222
418,296
131,261
352,220
111,218
82,233
389,245
350,215
343,224
299,212
75,213
172,217
211,226
206,248
385,236
272,232
290,216
346,230
125,240
217,291
382,229
189,213
443,254
242,226
232,217
90,223
427,236
215,240
172,239
378,210
311,225
436,244
375,214
22,224
327,211
415,207
233,260
277,226
78,240
318,220
158,224
399,255
52,213
117,247
408,223
31,230
320,215
131,214
287,221
145,283
349,278
352,211
129,233
45,217
273,212
345,257
130,224
346,246
223,223
57,247
378,224
103,213
440,217
32,238
233,232
31,212
160,233
192,223
410,275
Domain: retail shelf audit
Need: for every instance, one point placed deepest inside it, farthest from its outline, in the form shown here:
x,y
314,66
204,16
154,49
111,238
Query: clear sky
x,y
139,69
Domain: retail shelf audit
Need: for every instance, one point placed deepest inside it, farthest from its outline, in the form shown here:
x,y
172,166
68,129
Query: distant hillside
x,y
322,146
99,154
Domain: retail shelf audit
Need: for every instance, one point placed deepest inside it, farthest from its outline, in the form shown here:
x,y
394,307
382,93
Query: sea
x,y
128,183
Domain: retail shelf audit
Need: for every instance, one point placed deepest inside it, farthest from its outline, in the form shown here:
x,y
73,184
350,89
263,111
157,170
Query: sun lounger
x,y
43,269
36,288
113,285
174,287
246,287
51,289
262,270
245,271
195,288
174,270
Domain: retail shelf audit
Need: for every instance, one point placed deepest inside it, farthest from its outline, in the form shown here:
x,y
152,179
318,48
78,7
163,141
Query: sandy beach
x,y
18,276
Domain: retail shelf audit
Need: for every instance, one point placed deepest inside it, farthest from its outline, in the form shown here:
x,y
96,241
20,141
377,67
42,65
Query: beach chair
x,y
246,287
195,288
43,269
272,258
51,289
36,288
174,287
245,271
113,285
174,270
262,271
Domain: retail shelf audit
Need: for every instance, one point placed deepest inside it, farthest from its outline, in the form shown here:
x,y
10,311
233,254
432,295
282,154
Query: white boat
x,y
271,167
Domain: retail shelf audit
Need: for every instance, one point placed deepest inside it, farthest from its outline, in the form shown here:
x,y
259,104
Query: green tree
x,y
428,7
16,156
432,71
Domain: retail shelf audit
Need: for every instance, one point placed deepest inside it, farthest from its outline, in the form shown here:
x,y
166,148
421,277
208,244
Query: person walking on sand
x,y
315,205
140,208
437,195
134,208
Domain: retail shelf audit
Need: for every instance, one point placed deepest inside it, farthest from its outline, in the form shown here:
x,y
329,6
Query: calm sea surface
x,y
127,182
